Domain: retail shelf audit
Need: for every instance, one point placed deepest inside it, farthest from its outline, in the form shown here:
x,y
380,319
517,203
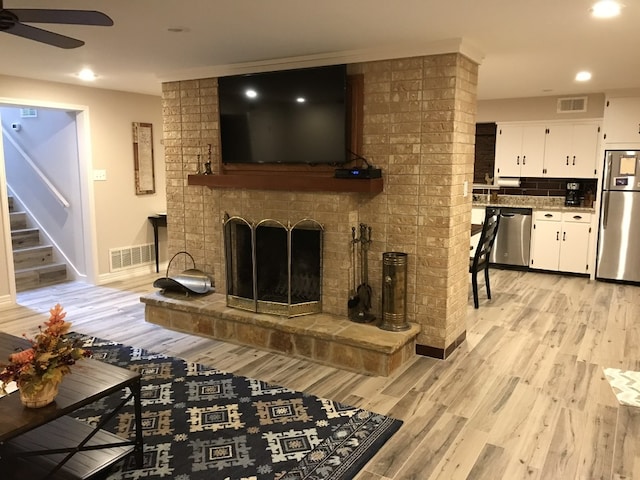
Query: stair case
x,y
33,262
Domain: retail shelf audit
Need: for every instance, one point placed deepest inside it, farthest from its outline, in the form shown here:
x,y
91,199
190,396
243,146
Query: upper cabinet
x,y
622,120
571,150
551,149
519,150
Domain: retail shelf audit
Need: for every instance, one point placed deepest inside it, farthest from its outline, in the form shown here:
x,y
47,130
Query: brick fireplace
x,y
418,126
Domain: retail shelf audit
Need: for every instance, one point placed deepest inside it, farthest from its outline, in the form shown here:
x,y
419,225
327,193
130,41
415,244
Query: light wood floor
x,y
523,397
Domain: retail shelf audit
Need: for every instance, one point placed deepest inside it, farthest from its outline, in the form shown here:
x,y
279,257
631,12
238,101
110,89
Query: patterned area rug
x,y
625,384
202,423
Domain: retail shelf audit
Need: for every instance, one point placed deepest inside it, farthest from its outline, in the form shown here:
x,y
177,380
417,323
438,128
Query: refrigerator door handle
x,y
607,173
605,208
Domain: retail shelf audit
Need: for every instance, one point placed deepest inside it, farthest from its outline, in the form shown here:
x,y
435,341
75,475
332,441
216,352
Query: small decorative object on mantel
x,y
190,281
207,164
38,370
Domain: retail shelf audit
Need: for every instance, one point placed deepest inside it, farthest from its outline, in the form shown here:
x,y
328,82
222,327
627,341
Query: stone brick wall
x,y
419,127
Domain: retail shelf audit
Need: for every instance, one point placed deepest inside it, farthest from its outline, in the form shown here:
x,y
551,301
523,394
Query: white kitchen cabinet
x,y
477,215
571,150
560,149
560,241
545,240
519,150
622,120
574,249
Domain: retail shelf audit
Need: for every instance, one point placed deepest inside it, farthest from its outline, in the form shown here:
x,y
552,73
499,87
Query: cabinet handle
x,y
574,159
557,235
524,159
577,217
548,215
567,159
518,160
564,236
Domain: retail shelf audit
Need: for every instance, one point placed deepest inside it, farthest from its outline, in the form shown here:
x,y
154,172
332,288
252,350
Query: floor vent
x,y
128,257
572,105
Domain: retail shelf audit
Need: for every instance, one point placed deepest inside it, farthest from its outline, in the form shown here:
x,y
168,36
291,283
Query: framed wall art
x,y
143,158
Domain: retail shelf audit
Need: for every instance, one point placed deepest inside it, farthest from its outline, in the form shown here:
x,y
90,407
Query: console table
x,y
157,220
44,443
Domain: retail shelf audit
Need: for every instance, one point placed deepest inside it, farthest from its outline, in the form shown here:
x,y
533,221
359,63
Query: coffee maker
x,y
573,193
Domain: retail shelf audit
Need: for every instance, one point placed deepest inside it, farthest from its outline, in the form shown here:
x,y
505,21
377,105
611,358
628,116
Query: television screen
x,y
292,116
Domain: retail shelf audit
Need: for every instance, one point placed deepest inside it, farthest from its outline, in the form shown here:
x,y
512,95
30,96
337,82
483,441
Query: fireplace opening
x,y
272,267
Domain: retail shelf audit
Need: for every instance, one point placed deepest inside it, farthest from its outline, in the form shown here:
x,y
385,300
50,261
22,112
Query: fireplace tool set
x,y
359,304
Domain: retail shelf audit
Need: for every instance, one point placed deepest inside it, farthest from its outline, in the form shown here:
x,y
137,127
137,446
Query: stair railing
x,y
63,201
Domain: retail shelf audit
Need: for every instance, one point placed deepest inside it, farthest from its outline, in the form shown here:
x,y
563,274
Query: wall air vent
x,y
572,105
28,113
127,257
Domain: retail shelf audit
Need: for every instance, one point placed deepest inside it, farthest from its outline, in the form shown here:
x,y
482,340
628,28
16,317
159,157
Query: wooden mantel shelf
x,y
305,183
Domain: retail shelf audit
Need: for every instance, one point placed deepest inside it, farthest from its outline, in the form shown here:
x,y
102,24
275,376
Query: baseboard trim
x,y
6,301
128,273
440,353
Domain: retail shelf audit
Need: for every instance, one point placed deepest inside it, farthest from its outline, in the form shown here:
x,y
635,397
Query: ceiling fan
x,y
13,21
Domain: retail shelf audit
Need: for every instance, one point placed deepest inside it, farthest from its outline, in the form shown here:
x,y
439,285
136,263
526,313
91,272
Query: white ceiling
x,y
530,47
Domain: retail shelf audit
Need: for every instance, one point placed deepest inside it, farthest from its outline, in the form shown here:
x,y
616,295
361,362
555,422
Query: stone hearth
x,y
321,337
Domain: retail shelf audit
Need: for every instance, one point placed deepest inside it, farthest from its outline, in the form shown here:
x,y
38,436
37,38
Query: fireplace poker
x,y
364,289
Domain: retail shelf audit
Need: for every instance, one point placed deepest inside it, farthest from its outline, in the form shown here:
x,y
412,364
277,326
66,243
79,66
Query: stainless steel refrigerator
x,y
619,237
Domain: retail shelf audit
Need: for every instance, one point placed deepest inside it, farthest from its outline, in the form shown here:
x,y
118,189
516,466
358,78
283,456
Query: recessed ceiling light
x,y
87,75
301,100
251,93
606,9
583,76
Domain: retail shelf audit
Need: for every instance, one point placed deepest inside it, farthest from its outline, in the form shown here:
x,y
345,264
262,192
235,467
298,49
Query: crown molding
x,y
453,45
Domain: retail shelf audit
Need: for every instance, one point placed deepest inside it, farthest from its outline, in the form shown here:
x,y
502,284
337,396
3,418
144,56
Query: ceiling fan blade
x,y
44,36
71,17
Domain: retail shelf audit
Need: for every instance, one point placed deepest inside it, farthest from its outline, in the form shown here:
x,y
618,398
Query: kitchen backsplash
x,y
545,187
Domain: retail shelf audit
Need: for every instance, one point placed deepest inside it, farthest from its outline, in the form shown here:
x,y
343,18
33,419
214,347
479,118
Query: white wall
x,y
50,142
6,287
118,216
535,108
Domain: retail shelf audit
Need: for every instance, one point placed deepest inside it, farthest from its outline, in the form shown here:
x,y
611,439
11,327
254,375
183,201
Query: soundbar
x,y
367,173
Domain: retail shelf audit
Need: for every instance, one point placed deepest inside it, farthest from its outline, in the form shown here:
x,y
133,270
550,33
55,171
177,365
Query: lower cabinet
x,y
560,241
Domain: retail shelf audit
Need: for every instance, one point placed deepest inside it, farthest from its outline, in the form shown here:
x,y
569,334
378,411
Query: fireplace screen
x,y
272,267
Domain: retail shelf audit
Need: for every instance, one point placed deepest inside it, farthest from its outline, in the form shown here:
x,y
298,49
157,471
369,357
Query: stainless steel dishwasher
x,y
513,241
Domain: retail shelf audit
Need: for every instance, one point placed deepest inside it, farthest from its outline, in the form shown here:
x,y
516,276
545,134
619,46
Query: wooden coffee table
x,y
46,443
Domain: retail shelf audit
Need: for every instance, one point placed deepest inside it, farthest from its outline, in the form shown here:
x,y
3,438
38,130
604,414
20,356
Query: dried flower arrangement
x,y
49,358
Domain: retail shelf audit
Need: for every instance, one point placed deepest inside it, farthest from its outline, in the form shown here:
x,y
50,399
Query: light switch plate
x,y
100,175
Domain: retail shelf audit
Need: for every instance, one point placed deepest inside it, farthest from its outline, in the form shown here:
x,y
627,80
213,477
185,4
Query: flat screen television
x,y
286,117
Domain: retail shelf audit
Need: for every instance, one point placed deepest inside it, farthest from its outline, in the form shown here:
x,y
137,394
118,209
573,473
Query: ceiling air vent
x,y
572,105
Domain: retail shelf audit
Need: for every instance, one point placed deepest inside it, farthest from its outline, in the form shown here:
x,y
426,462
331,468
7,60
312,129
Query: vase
x,y
40,398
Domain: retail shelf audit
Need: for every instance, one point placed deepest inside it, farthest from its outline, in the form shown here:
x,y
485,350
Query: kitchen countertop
x,y
529,201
